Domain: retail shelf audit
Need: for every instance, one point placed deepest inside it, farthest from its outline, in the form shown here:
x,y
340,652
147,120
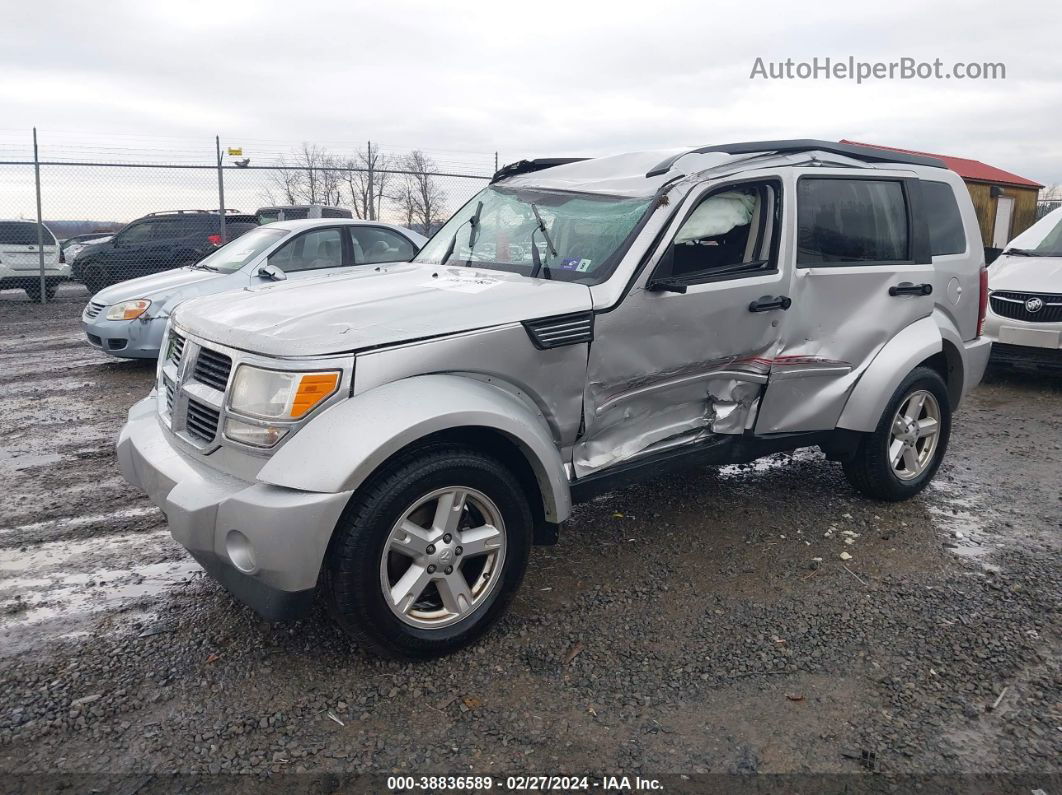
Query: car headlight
x,y
278,395
128,310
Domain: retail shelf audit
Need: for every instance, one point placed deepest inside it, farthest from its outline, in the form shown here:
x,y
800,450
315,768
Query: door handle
x,y
765,303
908,288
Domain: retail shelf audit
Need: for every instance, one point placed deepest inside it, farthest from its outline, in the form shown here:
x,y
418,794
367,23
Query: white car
x,y
1024,318
128,319
71,247
20,260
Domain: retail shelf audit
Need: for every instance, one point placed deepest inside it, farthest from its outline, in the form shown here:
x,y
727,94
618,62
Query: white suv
x,y
20,262
1024,318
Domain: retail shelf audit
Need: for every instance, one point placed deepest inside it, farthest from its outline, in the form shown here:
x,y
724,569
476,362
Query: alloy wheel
x,y
443,557
915,430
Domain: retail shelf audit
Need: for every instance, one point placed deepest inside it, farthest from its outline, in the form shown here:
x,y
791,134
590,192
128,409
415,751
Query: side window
x,y
375,244
321,248
851,221
168,229
946,232
138,233
731,231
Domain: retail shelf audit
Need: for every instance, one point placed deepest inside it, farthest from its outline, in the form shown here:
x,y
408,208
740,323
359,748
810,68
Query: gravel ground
x,y
704,623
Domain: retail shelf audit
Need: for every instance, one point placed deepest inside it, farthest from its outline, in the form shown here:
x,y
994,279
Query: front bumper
x,y
128,339
264,543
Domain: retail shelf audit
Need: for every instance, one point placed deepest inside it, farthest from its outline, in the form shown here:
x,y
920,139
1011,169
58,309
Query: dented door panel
x,y
669,369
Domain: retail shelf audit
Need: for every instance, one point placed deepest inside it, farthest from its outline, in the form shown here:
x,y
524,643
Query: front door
x,y
686,354
863,273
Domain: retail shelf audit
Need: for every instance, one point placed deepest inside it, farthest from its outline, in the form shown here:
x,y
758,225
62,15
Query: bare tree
x,y
309,176
421,200
368,181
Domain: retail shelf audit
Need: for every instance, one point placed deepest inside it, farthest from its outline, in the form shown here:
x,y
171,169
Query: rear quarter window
x,y
946,232
22,233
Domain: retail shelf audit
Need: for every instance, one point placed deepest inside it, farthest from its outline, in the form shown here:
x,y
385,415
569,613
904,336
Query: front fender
x,y
894,361
345,444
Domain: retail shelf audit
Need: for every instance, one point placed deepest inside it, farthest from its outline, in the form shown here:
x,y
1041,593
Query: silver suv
x,y
398,439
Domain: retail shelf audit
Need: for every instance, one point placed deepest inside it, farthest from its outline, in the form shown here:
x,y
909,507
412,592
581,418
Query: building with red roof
x,y
1005,202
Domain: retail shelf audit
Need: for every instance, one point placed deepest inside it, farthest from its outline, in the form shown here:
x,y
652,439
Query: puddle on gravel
x,y
41,608
962,519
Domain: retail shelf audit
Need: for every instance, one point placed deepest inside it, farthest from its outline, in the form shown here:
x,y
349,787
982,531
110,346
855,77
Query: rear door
x,y
19,251
863,273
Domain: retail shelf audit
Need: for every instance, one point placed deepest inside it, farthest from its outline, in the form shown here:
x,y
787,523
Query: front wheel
x,y
903,453
430,553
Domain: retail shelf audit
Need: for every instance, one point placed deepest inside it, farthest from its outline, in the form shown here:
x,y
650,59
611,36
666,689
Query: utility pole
x,y
40,222
221,190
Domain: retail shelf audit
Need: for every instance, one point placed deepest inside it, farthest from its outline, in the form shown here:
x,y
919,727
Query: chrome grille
x,y
201,421
168,388
1015,306
93,309
176,349
212,368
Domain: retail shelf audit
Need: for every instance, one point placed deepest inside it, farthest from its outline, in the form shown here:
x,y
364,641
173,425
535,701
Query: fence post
x,y
370,209
221,190
40,222
495,162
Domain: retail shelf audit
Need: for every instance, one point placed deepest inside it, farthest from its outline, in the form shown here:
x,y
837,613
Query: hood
x,y
400,302
1026,274
153,285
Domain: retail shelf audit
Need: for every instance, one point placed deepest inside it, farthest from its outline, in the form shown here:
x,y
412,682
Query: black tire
x,y
94,278
351,573
870,470
34,291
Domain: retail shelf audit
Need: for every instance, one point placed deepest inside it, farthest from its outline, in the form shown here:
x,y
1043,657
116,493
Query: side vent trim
x,y
559,330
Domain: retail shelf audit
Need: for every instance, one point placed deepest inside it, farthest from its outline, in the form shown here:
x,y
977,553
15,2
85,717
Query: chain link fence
x,y
112,213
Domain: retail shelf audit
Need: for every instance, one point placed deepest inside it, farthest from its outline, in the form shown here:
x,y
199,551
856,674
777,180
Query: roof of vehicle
x,y
966,168
309,223
642,174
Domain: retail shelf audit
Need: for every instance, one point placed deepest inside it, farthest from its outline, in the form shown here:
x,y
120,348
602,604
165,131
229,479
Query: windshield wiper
x,y
1022,252
474,221
536,258
473,233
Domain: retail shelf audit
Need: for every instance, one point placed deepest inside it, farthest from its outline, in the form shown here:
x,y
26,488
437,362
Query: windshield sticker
x,y
575,264
461,283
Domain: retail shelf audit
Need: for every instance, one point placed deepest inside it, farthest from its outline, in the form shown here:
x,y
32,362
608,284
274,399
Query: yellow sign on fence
x,y
238,152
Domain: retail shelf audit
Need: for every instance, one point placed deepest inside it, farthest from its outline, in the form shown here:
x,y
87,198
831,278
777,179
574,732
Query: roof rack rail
x,y
188,212
868,154
527,166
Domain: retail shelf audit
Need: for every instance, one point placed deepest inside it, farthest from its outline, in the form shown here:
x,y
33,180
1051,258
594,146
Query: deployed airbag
x,y
717,215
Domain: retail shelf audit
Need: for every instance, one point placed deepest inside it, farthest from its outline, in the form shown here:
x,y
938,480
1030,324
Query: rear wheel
x,y
903,453
430,553
33,290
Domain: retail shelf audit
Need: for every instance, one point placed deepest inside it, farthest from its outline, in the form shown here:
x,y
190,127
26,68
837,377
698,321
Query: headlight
x,y
128,310
276,395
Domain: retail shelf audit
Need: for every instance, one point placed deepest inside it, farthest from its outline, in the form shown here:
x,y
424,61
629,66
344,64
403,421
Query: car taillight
x,y
215,240
982,306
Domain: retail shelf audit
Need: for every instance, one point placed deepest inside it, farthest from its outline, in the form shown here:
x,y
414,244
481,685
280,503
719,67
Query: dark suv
x,y
156,242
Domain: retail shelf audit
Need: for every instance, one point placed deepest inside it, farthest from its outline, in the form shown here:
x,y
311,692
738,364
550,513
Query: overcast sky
x,y
531,79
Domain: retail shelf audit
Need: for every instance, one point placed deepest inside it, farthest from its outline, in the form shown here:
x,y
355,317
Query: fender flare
x,y
339,449
899,356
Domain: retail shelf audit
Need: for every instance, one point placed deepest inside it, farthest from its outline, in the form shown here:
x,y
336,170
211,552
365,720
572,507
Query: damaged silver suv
x,y
397,439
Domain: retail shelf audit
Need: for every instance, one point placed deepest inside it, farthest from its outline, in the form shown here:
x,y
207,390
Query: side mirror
x,y
271,272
